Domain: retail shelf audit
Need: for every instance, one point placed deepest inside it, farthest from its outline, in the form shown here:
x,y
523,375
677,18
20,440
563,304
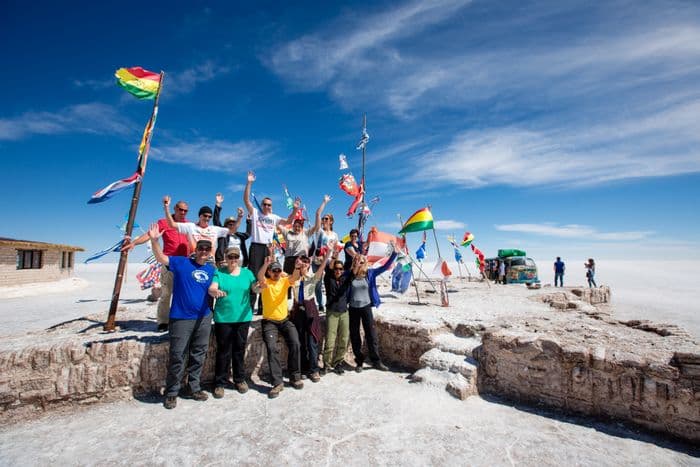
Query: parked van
x,y
519,268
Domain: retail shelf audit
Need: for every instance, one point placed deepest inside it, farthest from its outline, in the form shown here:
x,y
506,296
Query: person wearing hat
x,y
190,317
237,239
276,321
264,224
201,230
298,238
231,287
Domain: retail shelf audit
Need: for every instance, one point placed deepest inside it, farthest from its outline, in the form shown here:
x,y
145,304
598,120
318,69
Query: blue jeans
x,y
320,299
560,277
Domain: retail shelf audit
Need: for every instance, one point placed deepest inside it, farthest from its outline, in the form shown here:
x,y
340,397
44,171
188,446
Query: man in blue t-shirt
x,y
190,317
559,272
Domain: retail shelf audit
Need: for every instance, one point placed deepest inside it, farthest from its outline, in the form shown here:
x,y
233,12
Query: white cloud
x,y
448,224
574,231
216,155
185,81
236,187
92,117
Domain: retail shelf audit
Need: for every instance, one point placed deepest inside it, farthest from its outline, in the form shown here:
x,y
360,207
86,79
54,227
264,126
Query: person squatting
x,y
211,276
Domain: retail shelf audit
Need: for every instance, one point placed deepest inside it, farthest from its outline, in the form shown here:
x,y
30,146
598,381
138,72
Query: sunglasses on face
x,y
203,248
338,269
206,216
267,204
276,271
182,210
232,256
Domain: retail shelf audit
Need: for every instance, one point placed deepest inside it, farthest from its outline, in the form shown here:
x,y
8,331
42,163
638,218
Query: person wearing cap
x,y
231,288
201,230
237,239
298,238
190,317
174,244
264,224
305,314
276,321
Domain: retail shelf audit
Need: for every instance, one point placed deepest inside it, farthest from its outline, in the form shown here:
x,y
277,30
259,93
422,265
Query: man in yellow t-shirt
x,y
276,321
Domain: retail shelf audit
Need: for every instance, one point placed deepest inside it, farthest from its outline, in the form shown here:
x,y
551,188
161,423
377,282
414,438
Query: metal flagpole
x,y
109,326
361,220
413,261
443,286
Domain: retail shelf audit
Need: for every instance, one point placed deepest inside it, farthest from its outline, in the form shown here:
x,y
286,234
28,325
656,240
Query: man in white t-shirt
x,y
202,230
263,229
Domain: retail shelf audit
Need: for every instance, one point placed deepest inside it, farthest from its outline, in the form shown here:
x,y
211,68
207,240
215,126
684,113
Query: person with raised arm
x,y
236,239
174,244
231,288
200,230
322,239
363,296
190,317
336,282
263,228
276,321
305,313
298,238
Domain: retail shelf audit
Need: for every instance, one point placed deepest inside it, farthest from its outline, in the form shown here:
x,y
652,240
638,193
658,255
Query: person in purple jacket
x,y
362,296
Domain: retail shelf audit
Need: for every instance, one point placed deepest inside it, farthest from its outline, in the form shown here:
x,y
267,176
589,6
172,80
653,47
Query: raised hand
x,y
154,232
251,176
241,212
297,202
219,199
326,198
166,201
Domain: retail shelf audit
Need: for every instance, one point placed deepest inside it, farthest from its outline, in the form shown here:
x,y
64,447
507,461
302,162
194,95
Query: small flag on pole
x,y
113,188
343,162
419,221
363,141
140,83
114,248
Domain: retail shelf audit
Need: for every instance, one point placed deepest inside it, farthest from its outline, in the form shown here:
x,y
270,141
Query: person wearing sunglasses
x,y
305,314
275,321
363,296
352,248
237,239
190,317
231,287
264,224
174,244
336,282
323,238
200,230
298,238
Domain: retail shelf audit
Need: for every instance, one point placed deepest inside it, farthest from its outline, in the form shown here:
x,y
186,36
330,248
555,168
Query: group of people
x,y
560,268
209,274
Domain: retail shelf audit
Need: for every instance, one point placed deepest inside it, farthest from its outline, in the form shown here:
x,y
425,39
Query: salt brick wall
x,y
50,271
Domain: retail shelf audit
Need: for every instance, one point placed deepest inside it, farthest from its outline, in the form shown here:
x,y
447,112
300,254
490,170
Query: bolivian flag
x,y
419,221
141,83
467,239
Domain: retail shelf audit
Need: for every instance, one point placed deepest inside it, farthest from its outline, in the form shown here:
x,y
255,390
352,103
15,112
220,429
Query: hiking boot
x,y
315,377
200,396
218,392
170,402
380,366
163,327
275,391
297,384
339,370
242,387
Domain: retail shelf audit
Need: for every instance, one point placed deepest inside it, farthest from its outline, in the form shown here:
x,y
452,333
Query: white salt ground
x,y
372,418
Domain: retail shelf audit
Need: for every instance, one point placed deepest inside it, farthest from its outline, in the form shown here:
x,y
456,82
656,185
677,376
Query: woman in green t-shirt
x,y
231,287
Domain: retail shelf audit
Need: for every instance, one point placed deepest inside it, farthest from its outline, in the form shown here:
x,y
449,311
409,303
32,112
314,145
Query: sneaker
x,y
321,308
325,370
242,387
297,384
275,391
380,366
163,327
358,368
315,377
339,370
170,402
218,392
200,396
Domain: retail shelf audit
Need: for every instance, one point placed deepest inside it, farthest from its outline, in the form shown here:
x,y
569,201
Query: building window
x,y
66,259
29,259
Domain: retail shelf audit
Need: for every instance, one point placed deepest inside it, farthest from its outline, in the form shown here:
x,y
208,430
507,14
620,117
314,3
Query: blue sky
x,y
563,128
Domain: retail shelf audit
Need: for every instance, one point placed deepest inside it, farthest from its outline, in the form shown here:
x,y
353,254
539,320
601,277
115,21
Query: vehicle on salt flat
x,y
519,268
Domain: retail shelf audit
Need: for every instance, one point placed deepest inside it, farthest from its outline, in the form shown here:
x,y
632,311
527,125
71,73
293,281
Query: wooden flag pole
x,y
110,325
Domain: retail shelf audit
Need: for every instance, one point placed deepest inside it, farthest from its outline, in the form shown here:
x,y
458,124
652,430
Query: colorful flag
x,y
150,277
363,141
114,248
442,269
467,239
113,188
146,141
343,162
419,221
420,252
142,84
458,255
379,247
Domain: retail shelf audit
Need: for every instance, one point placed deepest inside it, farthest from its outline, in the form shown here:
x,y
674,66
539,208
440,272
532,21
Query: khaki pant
x,y
166,294
337,332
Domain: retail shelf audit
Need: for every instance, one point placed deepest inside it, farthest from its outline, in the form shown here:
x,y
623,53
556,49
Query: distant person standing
x,y
590,272
502,272
559,269
190,317
174,244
